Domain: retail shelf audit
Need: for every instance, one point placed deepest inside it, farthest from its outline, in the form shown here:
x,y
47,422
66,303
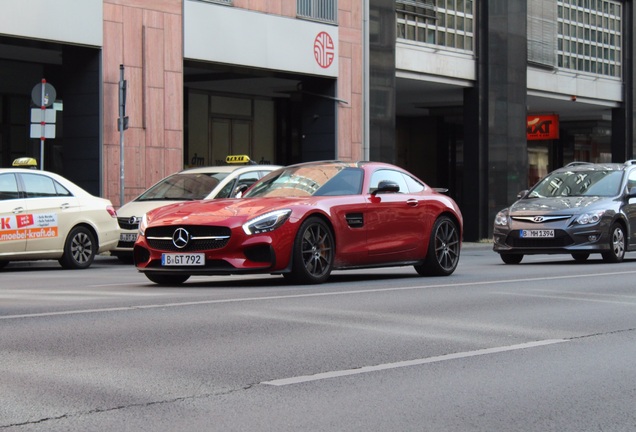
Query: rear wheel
x,y
164,279
313,253
580,257
79,249
443,249
617,245
511,258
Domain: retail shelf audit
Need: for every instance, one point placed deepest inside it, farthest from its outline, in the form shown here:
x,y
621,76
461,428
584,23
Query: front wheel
x,y
617,244
165,279
442,256
79,249
511,258
313,254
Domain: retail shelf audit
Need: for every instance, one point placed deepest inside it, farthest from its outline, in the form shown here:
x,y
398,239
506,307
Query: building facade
x,y
482,97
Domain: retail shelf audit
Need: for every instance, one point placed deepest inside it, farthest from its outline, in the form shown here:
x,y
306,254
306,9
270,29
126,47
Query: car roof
x,y
589,166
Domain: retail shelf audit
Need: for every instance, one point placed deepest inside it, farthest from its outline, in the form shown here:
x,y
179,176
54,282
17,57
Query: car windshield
x,y
578,183
310,180
183,187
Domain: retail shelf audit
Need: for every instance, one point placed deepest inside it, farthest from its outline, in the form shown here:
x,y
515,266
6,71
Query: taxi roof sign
x,y
28,162
235,159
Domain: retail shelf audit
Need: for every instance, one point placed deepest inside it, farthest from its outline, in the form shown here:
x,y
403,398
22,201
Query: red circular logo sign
x,y
324,50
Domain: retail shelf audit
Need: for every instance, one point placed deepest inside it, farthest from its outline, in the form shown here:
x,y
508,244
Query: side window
x,y
8,187
388,175
414,185
38,186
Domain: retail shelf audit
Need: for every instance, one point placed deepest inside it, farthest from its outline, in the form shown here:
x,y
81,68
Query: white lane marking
x,y
317,294
416,362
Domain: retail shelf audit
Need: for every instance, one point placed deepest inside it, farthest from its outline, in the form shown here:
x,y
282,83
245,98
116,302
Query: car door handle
x,y
412,202
64,206
18,210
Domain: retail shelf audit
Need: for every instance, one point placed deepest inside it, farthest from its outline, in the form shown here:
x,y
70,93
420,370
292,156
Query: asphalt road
x,y
547,345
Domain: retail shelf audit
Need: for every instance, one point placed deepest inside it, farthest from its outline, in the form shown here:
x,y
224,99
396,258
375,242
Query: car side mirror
x,y
238,191
386,186
631,193
522,194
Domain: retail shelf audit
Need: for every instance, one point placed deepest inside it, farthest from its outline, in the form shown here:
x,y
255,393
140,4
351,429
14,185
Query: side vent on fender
x,y
355,220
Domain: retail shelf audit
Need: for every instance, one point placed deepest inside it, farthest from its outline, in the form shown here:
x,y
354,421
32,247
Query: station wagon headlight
x,y
267,222
502,218
590,218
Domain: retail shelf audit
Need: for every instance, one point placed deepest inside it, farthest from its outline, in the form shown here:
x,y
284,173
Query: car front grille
x,y
124,223
201,238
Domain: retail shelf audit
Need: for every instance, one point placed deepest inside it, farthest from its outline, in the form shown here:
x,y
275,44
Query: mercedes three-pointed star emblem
x,y
180,238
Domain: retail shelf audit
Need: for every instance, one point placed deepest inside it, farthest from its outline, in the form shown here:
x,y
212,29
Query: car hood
x,y
573,205
220,211
139,208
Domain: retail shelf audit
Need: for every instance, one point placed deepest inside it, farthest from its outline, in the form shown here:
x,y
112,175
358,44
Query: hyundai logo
x,y
180,238
538,219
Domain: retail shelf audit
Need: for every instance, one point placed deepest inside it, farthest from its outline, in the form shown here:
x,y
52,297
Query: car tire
x,y
444,247
511,258
165,279
79,249
3,264
617,244
580,257
313,253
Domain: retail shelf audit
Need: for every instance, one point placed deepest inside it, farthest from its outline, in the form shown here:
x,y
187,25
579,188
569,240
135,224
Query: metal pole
x,y
121,135
42,123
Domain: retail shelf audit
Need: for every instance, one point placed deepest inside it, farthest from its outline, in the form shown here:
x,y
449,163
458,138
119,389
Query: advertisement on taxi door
x,y
28,226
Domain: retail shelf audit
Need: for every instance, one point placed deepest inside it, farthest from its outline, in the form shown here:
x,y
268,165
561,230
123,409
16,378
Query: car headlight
x,y
267,222
589,218
143,223
502,218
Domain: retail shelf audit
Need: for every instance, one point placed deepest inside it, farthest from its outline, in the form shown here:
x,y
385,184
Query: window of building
x,y
590,36
441,23
319,10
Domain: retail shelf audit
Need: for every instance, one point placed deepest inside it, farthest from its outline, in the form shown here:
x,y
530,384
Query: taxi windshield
x,y
183,187
579,183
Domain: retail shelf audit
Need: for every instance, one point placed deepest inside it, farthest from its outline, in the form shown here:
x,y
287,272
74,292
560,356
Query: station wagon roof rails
x,y
630,162
576,163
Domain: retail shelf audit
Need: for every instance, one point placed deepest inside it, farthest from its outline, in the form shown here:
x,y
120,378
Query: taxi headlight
x,y
502,218
589,218
267,222
143,223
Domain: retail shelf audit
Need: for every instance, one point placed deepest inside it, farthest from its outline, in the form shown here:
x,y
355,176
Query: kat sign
x,y
542,127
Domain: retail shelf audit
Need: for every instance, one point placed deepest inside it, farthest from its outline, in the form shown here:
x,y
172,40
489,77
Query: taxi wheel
x,y
313,253
617,245
79,249
164,279
443,249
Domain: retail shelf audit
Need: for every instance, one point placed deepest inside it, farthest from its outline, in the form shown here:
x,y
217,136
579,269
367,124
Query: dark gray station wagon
x,y
579,209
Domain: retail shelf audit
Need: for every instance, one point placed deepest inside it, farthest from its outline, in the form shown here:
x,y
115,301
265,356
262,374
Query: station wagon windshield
x,y
579,183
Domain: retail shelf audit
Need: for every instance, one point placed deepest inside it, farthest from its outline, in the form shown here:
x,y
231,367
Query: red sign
x,y
324,50
542,127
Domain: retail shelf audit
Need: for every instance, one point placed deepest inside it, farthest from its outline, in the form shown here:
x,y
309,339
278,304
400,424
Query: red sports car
x,y
304,221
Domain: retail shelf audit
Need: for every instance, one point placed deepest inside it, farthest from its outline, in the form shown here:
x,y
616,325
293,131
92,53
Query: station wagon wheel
x,y
313,253
443,249
79,249
166,279
617,245
511,258
580,256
